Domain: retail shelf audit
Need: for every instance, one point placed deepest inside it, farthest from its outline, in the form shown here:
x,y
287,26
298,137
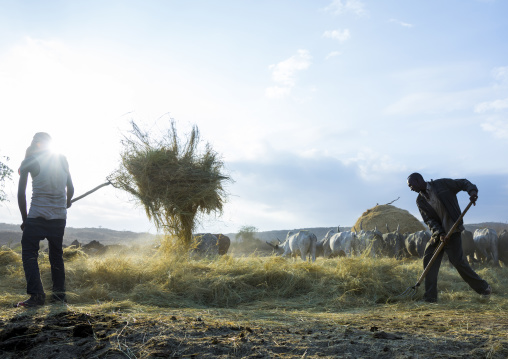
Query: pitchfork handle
x,y
441,245
90,192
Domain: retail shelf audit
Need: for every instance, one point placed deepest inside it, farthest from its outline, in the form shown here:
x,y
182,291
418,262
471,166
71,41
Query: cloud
x,y
373,165
277,91
496,105
429,103
284,73
497,126
332,54
338,7
288,191
304,190
401,23
501,74
339,35
494,112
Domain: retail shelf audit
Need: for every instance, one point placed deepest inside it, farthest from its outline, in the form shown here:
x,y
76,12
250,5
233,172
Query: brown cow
x,y
223,242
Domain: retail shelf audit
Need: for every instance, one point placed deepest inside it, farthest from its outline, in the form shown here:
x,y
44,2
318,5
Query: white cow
x,y
416,242
302,243
371,241
394,245
323,245
468,246
341,244
486,245
503,247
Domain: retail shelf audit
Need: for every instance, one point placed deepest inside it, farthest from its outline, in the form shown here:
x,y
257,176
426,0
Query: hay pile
x,y
73,252
172,181
381,215
8,258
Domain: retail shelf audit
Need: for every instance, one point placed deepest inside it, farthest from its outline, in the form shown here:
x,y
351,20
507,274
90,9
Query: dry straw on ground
x,y
173,181
168,279
163,305
382,215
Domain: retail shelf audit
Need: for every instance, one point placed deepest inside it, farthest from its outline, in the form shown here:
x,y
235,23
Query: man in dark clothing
x,y
438,205
52,190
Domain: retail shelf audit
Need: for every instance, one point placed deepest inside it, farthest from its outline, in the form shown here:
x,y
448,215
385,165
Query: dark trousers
x,y
453,248
36,230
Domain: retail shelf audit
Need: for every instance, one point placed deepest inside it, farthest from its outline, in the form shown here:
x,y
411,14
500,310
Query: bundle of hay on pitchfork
x,y
173,181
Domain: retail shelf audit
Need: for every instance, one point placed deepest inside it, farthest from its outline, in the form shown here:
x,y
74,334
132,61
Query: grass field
x,y
142,302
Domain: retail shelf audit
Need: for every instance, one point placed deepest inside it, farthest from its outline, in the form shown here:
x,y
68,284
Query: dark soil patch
x,y
427,331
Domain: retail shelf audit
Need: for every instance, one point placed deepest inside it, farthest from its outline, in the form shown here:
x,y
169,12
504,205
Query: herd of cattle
x,y
209,244
95,247
483,246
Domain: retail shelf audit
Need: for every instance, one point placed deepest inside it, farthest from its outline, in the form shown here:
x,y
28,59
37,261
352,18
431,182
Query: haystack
x,y
382,215
173,181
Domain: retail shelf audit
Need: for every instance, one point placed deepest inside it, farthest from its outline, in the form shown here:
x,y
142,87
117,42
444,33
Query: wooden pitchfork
x,y
93,190
411,291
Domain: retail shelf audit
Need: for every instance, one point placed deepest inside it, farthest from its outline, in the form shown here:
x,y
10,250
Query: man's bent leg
x,y
458,260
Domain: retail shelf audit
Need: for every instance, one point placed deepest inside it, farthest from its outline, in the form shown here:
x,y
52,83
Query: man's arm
x,y
470,188
463,184
29,165
70,190
23,179
69,185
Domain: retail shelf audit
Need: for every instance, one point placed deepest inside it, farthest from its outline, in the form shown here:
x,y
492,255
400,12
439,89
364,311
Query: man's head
x,y
42,140
416,182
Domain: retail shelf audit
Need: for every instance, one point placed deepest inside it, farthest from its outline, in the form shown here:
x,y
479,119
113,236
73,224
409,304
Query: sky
x,y
319,110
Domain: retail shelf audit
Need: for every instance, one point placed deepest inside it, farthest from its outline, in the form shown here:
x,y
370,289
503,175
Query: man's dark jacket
x,y
446,190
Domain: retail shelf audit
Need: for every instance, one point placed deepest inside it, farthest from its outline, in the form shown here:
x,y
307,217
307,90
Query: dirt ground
x,y
415,331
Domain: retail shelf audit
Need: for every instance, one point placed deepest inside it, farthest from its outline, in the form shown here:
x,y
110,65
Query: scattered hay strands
x,y
173,181
169,279
73,252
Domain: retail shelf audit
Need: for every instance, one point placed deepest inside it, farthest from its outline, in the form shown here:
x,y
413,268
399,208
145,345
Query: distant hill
x,y
497,226
11,233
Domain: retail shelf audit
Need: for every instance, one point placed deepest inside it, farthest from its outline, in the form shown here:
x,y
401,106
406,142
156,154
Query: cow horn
x,y
272,245
388,229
